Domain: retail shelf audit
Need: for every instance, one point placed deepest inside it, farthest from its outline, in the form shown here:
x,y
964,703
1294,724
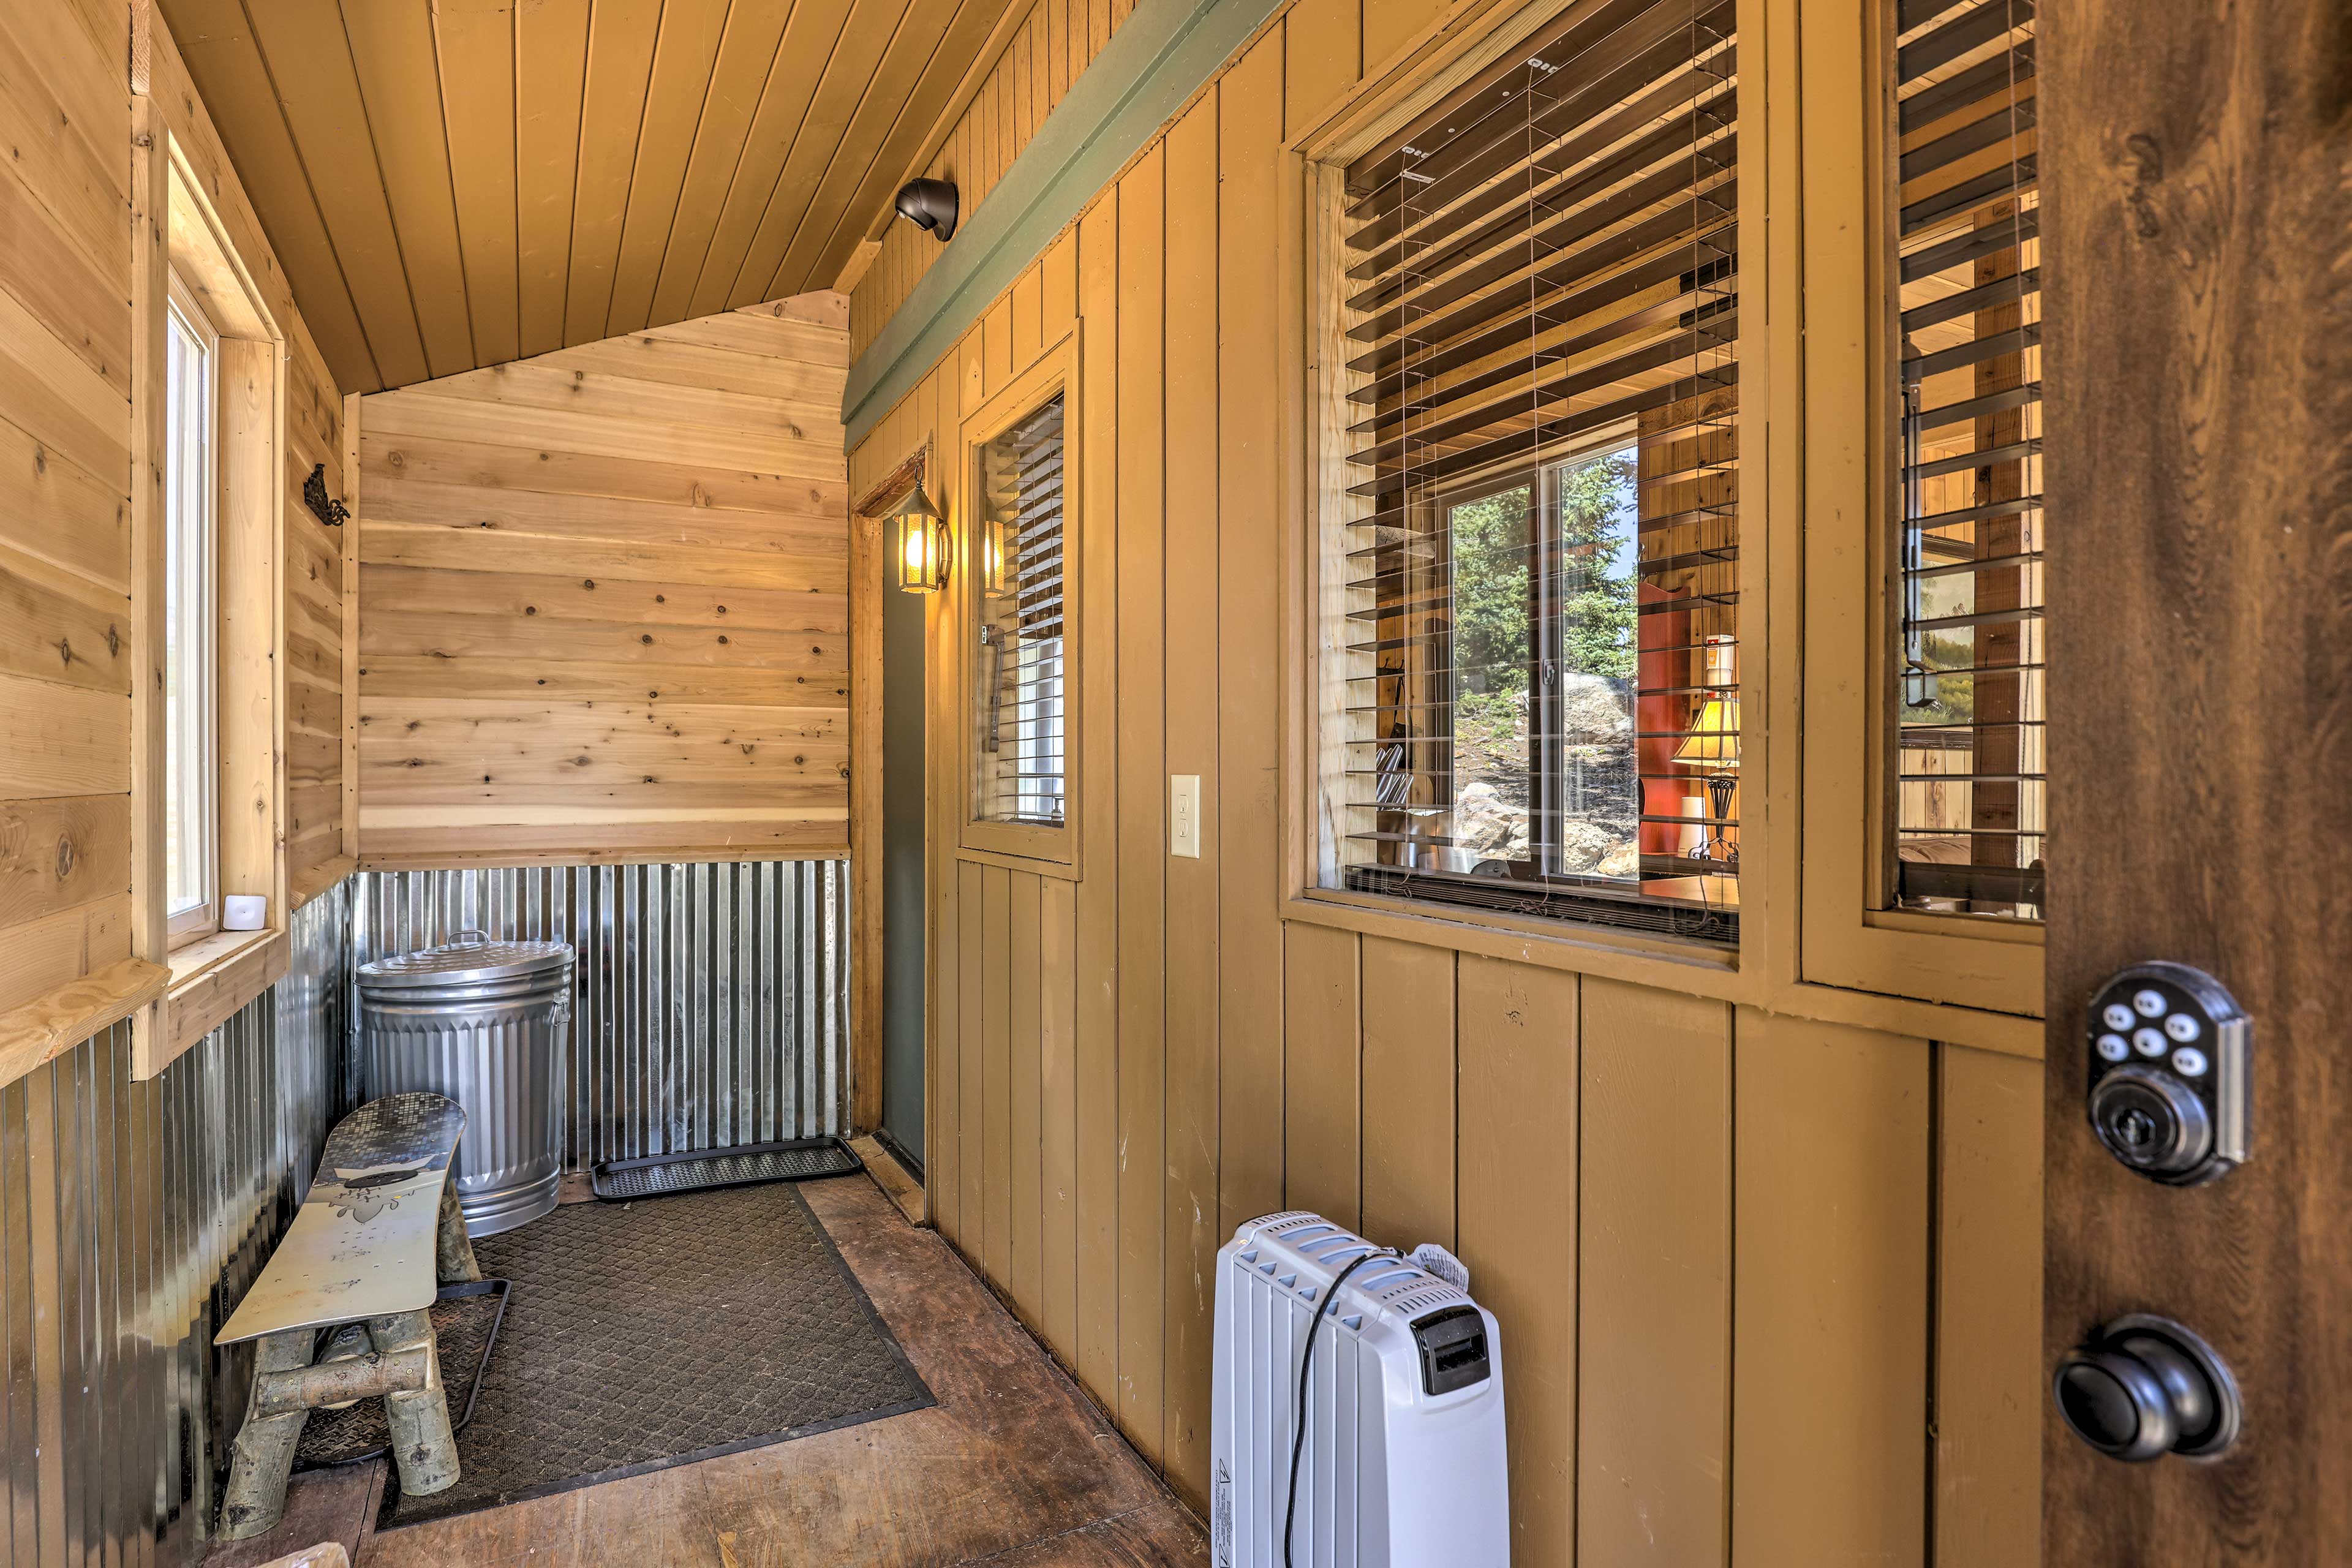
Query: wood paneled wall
x,y
64,499
1768,1285
318,848
603,597
1051,44
67,331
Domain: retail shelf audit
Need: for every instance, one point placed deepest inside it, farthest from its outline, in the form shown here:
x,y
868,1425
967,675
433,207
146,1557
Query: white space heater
x,y
1403,1464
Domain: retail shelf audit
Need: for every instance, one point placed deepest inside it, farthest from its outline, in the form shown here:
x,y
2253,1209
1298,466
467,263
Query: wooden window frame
x,y
203,919
1051,851
1541,478
180,232
1852,936
1765,970
1312,265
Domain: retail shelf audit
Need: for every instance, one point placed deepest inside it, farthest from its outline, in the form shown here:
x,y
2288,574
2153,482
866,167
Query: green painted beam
x,y
1151,64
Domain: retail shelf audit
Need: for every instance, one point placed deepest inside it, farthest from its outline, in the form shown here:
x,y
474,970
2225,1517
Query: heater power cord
x,y
1329,1304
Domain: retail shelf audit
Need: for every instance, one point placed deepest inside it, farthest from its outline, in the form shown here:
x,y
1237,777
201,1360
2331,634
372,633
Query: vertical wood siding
x,y
1768,1286
1051,44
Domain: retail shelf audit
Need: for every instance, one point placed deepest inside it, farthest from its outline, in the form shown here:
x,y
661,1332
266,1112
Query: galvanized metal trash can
x,y
479,1021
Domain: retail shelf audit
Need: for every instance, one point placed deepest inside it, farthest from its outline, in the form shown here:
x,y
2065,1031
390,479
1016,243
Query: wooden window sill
x,y
192,960
211,980
48,1027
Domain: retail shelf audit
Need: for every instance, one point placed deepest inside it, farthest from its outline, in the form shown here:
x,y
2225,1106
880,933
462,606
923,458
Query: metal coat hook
x,y
330,511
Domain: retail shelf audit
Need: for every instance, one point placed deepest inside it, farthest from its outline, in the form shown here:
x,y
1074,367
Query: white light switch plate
x,y
1184,814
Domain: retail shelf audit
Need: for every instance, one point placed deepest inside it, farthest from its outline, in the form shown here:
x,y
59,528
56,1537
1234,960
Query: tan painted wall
x,y
1049,47
1766,1261
67,476
605,600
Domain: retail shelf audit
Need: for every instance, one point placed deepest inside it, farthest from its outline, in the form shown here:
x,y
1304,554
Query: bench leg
x,y
263,1455
422,1443
454,1250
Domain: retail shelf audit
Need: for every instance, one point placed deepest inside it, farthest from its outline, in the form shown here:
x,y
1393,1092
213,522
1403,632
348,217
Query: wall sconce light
x,y
923,544
992,559
930,205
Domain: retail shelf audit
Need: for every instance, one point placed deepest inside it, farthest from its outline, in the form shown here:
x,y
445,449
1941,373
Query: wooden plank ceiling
x,y
455,183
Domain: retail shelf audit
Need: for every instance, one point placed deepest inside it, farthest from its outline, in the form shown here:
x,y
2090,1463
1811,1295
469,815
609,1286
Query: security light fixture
x,y
930,205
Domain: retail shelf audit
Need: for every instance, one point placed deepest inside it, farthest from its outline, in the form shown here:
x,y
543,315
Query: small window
x,y
1528,533
191,745
1965,268
1020,670
1540,692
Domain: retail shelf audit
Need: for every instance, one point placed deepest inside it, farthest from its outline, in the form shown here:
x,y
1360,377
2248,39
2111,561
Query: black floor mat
x,y
646,1335
745,1165
465,1325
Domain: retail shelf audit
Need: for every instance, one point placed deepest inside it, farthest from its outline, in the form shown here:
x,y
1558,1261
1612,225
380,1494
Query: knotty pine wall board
x,y
66,333
605,600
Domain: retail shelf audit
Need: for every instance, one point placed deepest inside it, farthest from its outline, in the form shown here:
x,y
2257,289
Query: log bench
x,y
379,1235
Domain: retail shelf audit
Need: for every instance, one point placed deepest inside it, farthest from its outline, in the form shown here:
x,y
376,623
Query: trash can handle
x,y
481,938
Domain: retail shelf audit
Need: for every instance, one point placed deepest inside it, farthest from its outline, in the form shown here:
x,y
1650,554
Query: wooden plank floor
x,y
1014,1466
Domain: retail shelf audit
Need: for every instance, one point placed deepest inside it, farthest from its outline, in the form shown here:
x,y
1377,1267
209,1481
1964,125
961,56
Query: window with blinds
x,y
1530,548
1964,265
1020,672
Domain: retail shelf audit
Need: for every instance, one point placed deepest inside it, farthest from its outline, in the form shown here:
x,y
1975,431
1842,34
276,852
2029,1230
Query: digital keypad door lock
x,y
2168,1091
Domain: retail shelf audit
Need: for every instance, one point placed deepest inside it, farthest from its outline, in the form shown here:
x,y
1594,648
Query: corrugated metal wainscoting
x,y
713,1000
133,1216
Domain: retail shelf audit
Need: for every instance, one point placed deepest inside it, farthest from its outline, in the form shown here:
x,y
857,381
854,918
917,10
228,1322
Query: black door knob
x,y
2144,1387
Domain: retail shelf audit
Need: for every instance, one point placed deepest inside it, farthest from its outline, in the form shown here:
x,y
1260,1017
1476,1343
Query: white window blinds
x,y
1022,654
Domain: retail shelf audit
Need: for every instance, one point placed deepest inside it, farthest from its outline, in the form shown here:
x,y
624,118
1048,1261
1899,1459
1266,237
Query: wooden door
x,y
2198,249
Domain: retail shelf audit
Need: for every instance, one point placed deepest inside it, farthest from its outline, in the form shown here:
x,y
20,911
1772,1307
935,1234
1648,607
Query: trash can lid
x,y
468,955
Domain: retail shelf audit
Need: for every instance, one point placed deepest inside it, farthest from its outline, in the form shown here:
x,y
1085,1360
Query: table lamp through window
x,y
1713,743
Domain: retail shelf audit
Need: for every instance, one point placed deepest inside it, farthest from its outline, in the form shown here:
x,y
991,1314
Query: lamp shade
x,y
1714,738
